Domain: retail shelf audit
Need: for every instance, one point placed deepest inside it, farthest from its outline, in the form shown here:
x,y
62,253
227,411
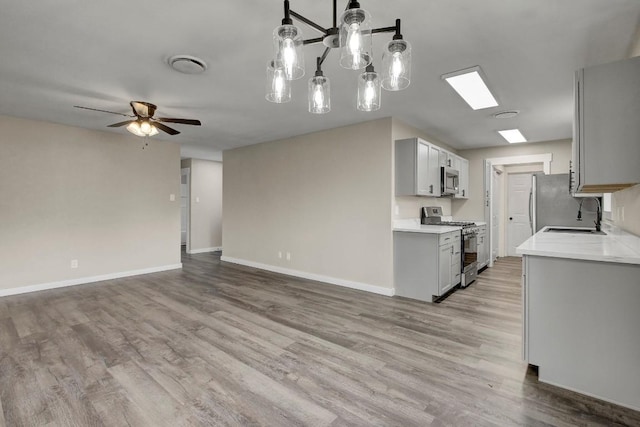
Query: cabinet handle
x,y
431,189
463,193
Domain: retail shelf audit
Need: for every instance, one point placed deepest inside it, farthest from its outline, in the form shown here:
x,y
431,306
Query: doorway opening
x,y
185,176
496,177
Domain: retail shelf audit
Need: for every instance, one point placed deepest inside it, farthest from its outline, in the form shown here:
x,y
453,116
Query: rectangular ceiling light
x,y
471,87
512,136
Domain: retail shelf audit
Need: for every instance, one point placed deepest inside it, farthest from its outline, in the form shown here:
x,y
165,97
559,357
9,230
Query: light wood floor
x,y
219,344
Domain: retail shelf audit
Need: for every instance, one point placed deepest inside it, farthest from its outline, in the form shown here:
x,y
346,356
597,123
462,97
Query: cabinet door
x,y
434,172
487,250
463,192
481,251
444,158
454,161
608,127
422,169
456,264
444,269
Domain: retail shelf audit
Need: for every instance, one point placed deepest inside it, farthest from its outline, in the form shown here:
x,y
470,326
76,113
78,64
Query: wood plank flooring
x,y
220,344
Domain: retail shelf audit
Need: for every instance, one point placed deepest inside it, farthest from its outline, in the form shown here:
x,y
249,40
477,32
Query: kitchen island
x,y
581,300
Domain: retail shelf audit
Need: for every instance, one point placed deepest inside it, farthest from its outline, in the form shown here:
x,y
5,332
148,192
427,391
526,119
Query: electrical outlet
x,y
288,256
197,199
397,210
280,254
172,197
74,263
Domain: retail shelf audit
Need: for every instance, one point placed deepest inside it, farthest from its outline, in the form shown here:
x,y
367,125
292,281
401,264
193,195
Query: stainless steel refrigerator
x,y
550,203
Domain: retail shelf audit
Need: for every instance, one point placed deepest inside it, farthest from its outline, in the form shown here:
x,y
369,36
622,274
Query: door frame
x,y
489,163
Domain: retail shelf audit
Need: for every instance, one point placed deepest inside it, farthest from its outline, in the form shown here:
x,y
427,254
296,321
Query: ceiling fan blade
x,y
182,121
117,125
143,109
165,128
102,111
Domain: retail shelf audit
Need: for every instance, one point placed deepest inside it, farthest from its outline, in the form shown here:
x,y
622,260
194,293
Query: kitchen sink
x,y
574,230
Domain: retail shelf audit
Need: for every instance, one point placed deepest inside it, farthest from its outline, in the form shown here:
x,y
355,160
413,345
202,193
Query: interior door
x,y
518,226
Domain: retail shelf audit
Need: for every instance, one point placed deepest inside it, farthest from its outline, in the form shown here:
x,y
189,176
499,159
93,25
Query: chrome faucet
x,y
598,212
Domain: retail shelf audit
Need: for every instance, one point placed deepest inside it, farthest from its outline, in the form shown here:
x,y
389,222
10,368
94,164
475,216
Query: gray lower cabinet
x,y
580,326
426,266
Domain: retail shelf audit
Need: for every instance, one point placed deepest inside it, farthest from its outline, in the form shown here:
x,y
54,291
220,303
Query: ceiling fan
x,y
143,123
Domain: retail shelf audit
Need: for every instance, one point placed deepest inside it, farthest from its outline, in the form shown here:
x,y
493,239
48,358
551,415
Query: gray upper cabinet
x,y
606,140
418,164
463,168
417,168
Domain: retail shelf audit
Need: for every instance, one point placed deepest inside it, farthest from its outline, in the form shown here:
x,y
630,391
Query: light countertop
x,y
414,226
616,246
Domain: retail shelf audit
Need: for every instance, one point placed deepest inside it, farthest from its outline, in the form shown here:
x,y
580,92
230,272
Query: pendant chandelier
x,y
352,34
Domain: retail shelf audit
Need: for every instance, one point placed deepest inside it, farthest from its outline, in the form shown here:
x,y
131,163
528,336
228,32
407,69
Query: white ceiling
x,y
57,54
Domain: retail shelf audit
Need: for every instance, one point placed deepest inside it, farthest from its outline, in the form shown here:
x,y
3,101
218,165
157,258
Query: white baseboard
x,y
312,276
203,250
85,280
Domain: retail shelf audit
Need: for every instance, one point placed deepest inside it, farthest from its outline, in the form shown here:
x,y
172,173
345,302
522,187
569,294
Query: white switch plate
x,y
397,210
280,254
197,199
288,256
172,197
74,263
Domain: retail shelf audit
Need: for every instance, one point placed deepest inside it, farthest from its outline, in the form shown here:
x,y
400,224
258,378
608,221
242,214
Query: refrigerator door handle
x,y
531,211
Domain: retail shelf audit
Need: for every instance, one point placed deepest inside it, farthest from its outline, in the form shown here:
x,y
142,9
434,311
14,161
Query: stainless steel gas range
x,y
432,215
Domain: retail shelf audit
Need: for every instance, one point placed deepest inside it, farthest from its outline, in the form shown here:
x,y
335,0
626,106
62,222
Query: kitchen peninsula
x,y
581,300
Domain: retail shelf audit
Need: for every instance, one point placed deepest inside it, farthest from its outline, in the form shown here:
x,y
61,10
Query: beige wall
x,y
473,208
407,206
627,203
98,197
324,197
206,205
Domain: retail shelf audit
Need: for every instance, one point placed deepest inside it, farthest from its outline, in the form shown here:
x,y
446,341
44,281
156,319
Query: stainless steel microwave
x,y
450,181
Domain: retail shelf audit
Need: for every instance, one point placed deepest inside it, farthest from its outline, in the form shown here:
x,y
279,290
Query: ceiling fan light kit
x,y
353,35
142,128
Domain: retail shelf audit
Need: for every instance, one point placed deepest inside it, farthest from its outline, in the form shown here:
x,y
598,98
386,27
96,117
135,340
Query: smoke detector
x,y
506,114
187,64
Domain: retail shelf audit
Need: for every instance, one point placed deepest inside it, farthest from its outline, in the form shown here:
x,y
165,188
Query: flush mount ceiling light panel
x,y
512,136
471,86
351,34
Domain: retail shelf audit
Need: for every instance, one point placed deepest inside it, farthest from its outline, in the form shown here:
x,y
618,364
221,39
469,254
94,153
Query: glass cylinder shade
x,y
396,65
278,88
368,91
355,39
288,48
319,95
